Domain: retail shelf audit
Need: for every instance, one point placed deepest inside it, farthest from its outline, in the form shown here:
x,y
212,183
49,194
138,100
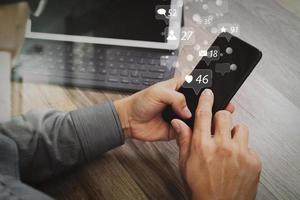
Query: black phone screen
x,y
224,68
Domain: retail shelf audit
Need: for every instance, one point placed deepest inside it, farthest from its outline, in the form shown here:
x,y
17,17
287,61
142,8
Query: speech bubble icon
x,y
165,12
161,11
222,68
198,80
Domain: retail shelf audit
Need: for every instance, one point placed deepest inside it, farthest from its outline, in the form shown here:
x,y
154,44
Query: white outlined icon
x,y
162,11
171,36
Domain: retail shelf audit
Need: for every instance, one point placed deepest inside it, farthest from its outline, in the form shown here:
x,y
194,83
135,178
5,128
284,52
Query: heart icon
x,y
189,78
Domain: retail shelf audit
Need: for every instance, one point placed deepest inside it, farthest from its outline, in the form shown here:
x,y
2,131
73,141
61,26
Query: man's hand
x,y
220,166
140,114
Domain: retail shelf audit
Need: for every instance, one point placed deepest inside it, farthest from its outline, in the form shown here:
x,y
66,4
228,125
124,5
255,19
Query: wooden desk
x,y
269,103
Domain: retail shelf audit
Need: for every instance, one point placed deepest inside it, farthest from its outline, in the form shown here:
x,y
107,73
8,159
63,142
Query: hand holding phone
x,y
223,68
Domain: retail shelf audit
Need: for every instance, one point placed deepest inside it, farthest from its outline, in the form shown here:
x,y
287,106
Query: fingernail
x,y
207,92
187,112
176,126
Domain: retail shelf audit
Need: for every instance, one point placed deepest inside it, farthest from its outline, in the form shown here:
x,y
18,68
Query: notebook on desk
x,y
112,44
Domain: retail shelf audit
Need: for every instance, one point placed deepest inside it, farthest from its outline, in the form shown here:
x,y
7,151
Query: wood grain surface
x,y
268,102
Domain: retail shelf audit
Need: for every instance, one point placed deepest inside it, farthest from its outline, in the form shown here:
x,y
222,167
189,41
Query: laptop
x,y
107,44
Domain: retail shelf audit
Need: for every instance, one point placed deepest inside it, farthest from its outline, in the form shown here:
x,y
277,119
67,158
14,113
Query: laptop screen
x,y
117,19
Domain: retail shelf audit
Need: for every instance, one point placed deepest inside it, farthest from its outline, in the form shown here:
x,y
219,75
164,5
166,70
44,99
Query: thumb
x,y
184,138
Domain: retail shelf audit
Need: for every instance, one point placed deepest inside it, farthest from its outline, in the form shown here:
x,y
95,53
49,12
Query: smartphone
x,y
223,68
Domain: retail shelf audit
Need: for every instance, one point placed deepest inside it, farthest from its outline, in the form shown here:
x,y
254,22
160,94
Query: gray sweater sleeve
x,y
51,142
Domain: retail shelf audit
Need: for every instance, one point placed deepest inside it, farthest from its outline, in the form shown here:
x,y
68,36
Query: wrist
x,y
121,107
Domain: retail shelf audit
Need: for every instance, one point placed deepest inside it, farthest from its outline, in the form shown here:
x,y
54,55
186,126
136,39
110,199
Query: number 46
x,y
202,79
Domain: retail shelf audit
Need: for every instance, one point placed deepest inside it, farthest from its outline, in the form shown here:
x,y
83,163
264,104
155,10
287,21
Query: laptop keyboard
x,y
94,66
